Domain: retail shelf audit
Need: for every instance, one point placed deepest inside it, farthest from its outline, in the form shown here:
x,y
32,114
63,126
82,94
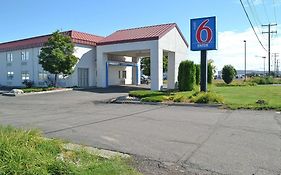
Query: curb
x,y
107,154
36,93
116,101
91,150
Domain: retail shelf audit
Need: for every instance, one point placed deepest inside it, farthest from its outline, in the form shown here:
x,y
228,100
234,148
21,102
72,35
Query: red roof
x,y
77,38
121,36
140,34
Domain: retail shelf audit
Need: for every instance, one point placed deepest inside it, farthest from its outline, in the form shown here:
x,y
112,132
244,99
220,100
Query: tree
x,y
211,71
186,76
197,74
228,73
57,56
145,65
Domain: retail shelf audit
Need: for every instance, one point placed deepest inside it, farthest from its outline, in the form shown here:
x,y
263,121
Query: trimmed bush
x,y
186,76
197,74
208,97
145,93
228,73
210,73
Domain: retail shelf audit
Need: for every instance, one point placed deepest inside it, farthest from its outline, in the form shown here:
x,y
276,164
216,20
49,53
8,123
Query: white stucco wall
x,y
18,66
113,75
86,55
87,59
173,42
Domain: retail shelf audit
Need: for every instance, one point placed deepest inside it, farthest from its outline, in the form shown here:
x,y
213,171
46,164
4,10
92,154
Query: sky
x,y
26,18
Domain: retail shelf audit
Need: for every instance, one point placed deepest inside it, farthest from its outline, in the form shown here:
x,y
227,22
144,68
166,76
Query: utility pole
x,y
245,52
278,65
269,32
275,55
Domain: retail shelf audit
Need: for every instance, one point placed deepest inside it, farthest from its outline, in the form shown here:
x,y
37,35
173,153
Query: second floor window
x,y
24,56
9,57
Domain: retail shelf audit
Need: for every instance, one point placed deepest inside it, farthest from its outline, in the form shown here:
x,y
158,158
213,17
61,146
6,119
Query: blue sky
x,y
27,18
24,18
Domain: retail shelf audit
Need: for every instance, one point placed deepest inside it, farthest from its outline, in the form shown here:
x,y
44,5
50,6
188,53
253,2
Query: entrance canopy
x,y
151,41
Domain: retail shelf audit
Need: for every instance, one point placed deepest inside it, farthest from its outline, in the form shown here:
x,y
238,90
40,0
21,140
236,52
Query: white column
x,y
101,68
134,72
156,68
139,70
171,70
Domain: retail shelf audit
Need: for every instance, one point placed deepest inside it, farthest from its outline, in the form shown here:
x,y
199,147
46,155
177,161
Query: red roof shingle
x,y
77,38
140,34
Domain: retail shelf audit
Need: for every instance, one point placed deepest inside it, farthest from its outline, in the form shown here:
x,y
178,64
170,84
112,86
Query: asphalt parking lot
x,y
192,139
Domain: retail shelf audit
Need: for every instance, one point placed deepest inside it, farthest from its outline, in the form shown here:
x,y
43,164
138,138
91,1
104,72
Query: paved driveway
x,y
201,140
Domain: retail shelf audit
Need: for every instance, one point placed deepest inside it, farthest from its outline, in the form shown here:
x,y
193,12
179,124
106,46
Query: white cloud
x,y
231,50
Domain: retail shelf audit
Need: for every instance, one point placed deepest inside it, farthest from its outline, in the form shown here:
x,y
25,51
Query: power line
x,y
274,10
255,17
264,7
255,12
252,25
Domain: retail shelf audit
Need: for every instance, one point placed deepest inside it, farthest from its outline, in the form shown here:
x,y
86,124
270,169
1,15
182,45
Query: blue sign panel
x,y
203,34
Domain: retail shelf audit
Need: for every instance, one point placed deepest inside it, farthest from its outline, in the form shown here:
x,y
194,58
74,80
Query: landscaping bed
x,y
39,89
27,152
234,96
177,97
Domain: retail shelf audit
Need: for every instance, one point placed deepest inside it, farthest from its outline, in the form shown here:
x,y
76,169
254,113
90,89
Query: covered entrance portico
x,y
164,40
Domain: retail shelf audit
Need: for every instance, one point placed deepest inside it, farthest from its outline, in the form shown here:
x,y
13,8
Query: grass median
x,y
240,96
27,152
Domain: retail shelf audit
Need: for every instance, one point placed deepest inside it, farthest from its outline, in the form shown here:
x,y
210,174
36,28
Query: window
x,y
25,75
10,75
24,56
122,74
9,57
42,76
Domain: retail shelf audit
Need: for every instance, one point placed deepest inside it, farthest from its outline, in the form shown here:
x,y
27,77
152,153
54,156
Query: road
x,y
189,140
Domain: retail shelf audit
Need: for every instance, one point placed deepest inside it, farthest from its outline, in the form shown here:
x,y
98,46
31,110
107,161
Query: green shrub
x,y
228,73
207,97
186,76
263,80
197,74
210,73
145,93
160,98
182,96
248,83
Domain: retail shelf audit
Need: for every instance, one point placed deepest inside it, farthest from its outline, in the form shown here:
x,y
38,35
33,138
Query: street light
x,y
245,45
263,63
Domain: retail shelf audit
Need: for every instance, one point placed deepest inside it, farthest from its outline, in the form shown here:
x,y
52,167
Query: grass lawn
x,y
247,96
234,96
27,152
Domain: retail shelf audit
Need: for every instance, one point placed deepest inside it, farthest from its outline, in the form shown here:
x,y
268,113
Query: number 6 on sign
x,y
203,34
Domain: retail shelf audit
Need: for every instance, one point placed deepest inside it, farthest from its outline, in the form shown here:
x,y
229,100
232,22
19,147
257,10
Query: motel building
x,y
103,61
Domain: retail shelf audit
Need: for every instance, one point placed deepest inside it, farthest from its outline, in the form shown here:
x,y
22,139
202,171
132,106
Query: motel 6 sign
x,y
203,34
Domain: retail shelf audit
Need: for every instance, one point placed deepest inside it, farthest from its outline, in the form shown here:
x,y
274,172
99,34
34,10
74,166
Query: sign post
x,y
203,38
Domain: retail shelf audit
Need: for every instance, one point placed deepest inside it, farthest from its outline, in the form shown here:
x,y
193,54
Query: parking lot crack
x,y
106,120
185,158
